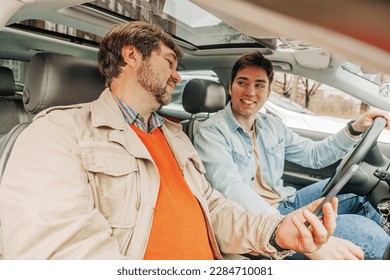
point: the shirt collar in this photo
(133, 117)
(234, 124)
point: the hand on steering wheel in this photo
(358, 153)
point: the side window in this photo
(177, 93)
(302, 103)
(310, 105)
(318, 98)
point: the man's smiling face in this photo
(249, 91)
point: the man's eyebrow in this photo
(172, 55)
(247, 79)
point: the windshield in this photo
(357, 70)
(288, 104)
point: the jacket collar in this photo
(106, 112)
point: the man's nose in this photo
(175, 77)
(250, 90)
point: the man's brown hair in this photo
(145, 37)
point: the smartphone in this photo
(335, 190)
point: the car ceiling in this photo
(64, 12)
(80, 17)
(358, 30)
(68, 13)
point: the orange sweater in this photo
(178, 229)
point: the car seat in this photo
(53, 80)
(11, 105)
(201, 96)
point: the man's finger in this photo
(329, 218)
(320, 234)
(305, 239)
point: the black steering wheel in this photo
(358, 153)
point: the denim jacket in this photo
(227, 153)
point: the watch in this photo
(351, 130)
(273, 243)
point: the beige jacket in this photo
(81, 185)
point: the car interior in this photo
(62, 68)
(58, 80)
(53, 80)
(201, 96)
(23, 42)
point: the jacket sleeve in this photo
(238, 230)
(224, 176)
(316, 154)
(47, 204)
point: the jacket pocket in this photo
(113, 175)
(240, 159)
(277, 150)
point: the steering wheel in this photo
(358, 153)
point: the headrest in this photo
(55, 79)
(7, 82)
(201, 95)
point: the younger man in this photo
(244, 152)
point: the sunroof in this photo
(181, 18)
(59, 31)
(190, 14)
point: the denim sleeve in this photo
(222, 172)
(316, 154)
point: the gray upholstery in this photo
(11, 105)
(7, 82)
(7, 143)
(9, 116)
(201, 96)
(54, 79)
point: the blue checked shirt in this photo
(131, 116)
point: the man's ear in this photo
(230, 89)
(130, 55)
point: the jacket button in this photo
(253, 178)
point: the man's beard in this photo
(150, 82)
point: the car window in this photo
(286, 103)
(180, 18)
(303, 103)
(309, 96)
(60, 31)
